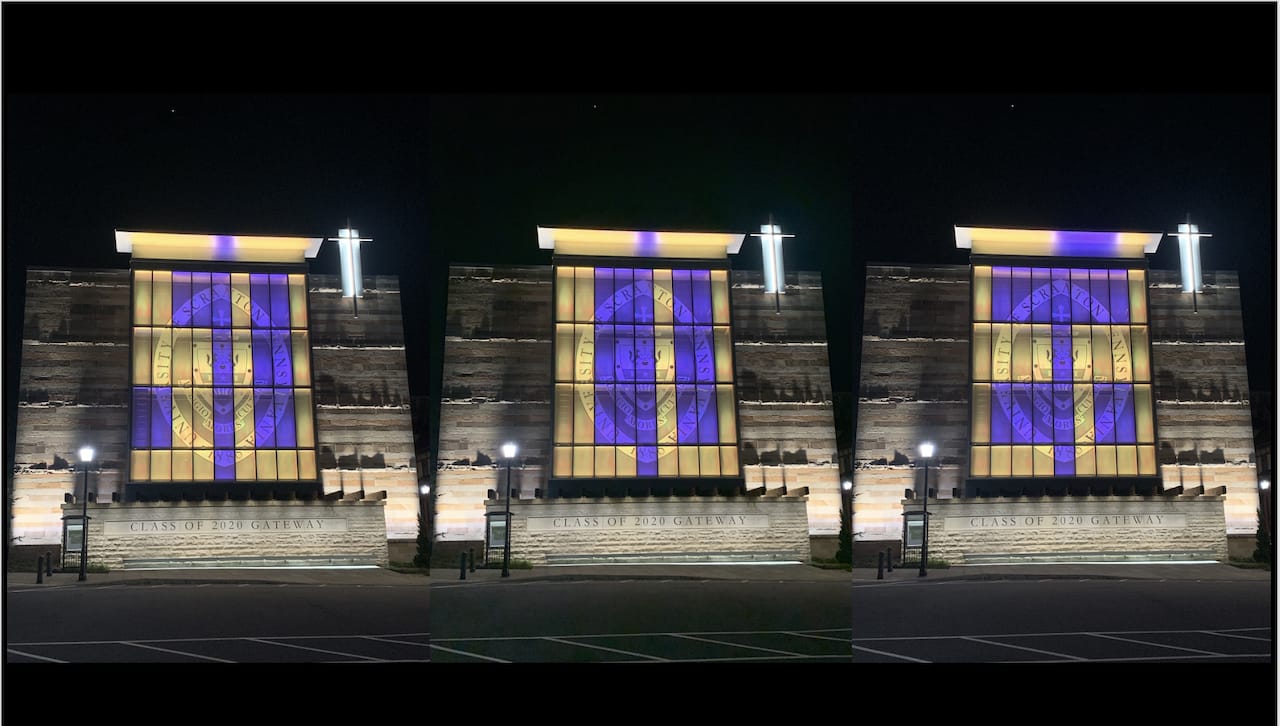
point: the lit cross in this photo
(221, 319)
(1189, 236)
(349, 240)
(771, 246)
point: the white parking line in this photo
(611, 650)
(174, 652)
(1157, 645)
(33, 655)
(817, 637)
(314, 650)
(886, 653)
(1233, 635)
(467, 654)
(738, 645)
(1022, 647)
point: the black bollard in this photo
(888, 555)
(39, 569)
(462, 566)
(880, 567)
(471, 557)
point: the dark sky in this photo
(865, 155)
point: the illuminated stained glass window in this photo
(643, 374)
(221, 378)
(1061, 373)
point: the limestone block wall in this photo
(656, 529)
(230, 532)
(971, 531)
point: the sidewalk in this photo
(782, 573)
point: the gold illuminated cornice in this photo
(632, 243)
(216, 247)
(1056, 243)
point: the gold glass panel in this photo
(1022, 353)
(584, 298)
(723, 355)
(141, 356)
(1141, 358)
(245, 466)
(583, 414)
(584, 463)
(667, 431)
(161, 356)
(304, 425)
(287, 465)
(1146, 460)
(182, 432)
(161, 465)
(1137, 296)
(142, 297)
(182, 370)
(729, 460)
(563, 461)
(1083, 414)
(564, 293)
(625, 460)
(1001, 461)
(301, 340)
(980, 460)
(720, 297)
(1122, 363)
(1101, 360)
(1086, 464)
(307, 465)
(201, 357)
(1022, 461)
(725, 414)
(584, 339)
(1127, 460)
(202, 464)
(1001, 352)
(266, 464)
(688, 460)
(241, 302)
(1042, 461)
(604, 461)
(709, 460)
(1106, 460)
(297, 301)
(662, 297)
(202, 418)
(241, 356)
(564, 414)
(982, 292)
(140, 465)
(1082, 353)
(981, 404)
(182, 470)
(1142, 413)
(1042, 353)
(162, 298)
(667, 463)
(982, 351)
(564, 352)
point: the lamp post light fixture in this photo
(847, 486)
(508, 453)
(86, 456)
(926, 453)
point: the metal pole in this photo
(506, 546)
(924, 542)
(84, 526)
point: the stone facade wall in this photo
(974, 531)
(657, 529)
(228, 533)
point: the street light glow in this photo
(1264, 485)
(86, 454)
(926, 449)
(508, 450)
(425, 489)
(847, 485)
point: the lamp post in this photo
(86, 456)
(424, 522)
(1264, 489)
(508, 453)
(926, 453)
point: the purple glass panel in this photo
(1104, 419)
(1119, 296)
(281, 358)
(263, 374)
(682, 291)
(182, 310)
(1060, 311)
(624, 353)
(644, 297)
(223, 363)
(647, 460)
(260, 300)
(684, 354)
(646, 364)
(279, 301)
(286, 436)
(1020, 291)
(141, 417)
(1001, 403)
(1043, 413)
(606, 361)
(1041, 295)
(201, 300)
(1062, 360)
(224, 415)
(686, 414)
(605, 414)
(1080, 300)
(701, 280)
(1064, 460)
(224, 464)
(1022, 415)
(646, 413)
(1064, 421)
(1001, 295)
(221, 300)
(625, 413)
(603, 311)
(708, 429)
(704, 354)
(1100, 306)
(1126, 432)
(264, 415)
(624, 303)
(161, 418)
